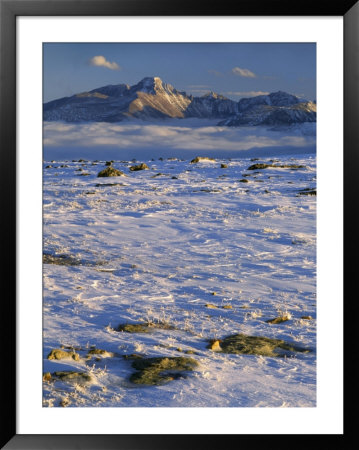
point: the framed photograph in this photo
(174, 183)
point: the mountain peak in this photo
(281, 98)
(149, 85)
(151, 80)
(214, 95)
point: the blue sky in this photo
(234, 70)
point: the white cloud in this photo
(184, 134)
(247, 93)
(243, 72)
(200, 91)
(101, 61)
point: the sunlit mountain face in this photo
(151, 99)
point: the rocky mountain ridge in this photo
(151, 99)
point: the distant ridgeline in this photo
(151, 99)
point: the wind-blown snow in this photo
(189, 245)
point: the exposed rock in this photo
(70, 375)
(144, 327)
(210, 305)
(308, 191)
(61, 260)
(98, 351)
(133, 328)
(155, 371)
(279, 319)
(258, 345)
(61, 354)
(141, 166)
(258, 166)
(110, 172)
(47, 376)
(291, 166)
(133, 356)
(279, 166)
(224, 166)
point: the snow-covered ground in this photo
(197, 253)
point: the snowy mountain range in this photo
(151, 99)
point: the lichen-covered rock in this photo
(279, 166)
(141, 166)
(70, 375)
(98, 351)
(61, 354)
(154, 371)
(110, 172)
(258, 166)
(257, 345)
(133, 328)
(60, 260)
(46, 376)
(133, 356)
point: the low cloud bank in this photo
(173, 138)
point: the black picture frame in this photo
(9, 10)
